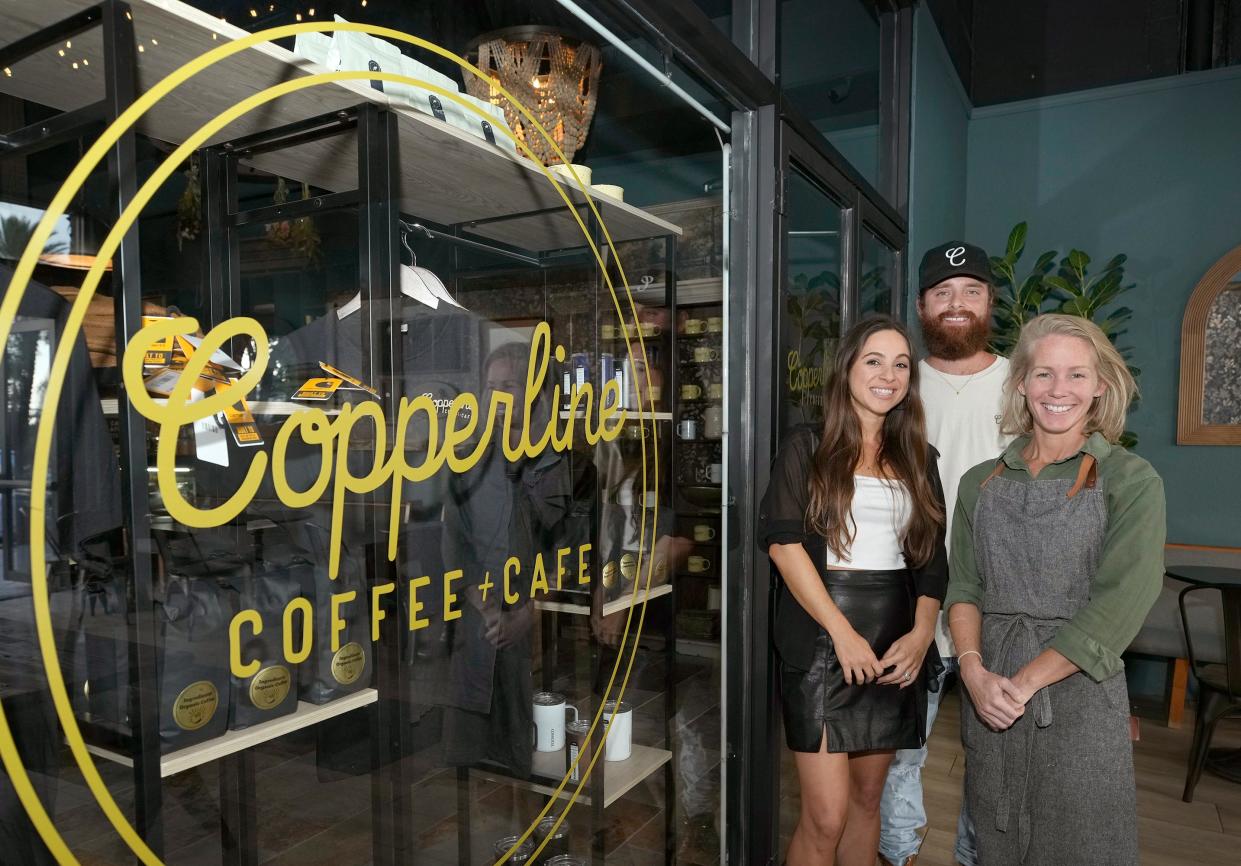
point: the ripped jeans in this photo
(902, 813)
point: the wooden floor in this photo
(1172, 833)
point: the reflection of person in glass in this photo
(1057, 557)
(854, 521)
(495, 511)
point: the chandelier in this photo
(553, 74)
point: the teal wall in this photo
(1150, 170)
(938, 148)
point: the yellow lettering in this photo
(248, 669)
(560, 570)
(339, 599)
(179, 411)
(608, 408)
(454, 435)
(540, 577)
(583, 564)
(397, 468)
(450, 597)
(415, 606)
(345, 480)
(295, 657)
(536, 373)
(378, 614)
(512, 566)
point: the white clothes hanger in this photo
(412, 285)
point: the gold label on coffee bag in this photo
(348, 663)
(195, 705)
(270, 687)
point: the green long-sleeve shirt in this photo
(1130, 573)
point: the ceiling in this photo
(1006, 51)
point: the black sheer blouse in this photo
(782, 520)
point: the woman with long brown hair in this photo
(853, 520)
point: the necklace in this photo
(948, 381)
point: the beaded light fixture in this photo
(550, 72)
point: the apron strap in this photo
(1087, 475)
(999, 467)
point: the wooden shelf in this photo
(619, 777)
(448, 175)
(234, 741)
(625, 602)
(257, 407)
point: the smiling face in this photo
(1062, 384)
(879, 378)
(956, 317)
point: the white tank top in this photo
(880, 512)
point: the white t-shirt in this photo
(963, 423)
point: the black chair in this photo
(1219, 685)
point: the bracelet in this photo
(967, 653)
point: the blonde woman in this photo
(1057, 556)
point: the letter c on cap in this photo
(955, 256)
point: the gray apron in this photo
(1057, 787)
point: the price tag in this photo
(317, 389)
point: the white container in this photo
(565, 177)
(610, 190)
(549, 721)
(619, 743)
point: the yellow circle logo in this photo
(348, 663)
(270, 687)
(195, 706)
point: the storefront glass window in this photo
(463, 510)
(830, 71)
(878, 279)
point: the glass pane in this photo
(502, 566)
(830, 68)
(810, 331)
(878, 278)
(811, 303)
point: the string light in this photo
(298, 16)
(85, 62)
(363, 2)
(254, 14)
(68, 44)
(312, 12)
(75, 64)
(8, 72)
(61, 52)
(155, 42)
(141, 49)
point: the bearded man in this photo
(961, 387)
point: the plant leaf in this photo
(1016, 241)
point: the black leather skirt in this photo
(880, 606)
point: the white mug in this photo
(619, 744)
(688, 429)
(715, 473)
(549, 721)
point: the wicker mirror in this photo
(1210, 393)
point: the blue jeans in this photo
(901, 812)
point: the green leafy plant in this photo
(1068, 287)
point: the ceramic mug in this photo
(649, 329)
(549, 721)
(691, 392)
(628, 496)
(715, 473)
(698, 564)
(688, 429)
(703, 532)
(619, 744)
(704, 354)
(694, 326)
(715, 324)
(715, 391)
(607, 332)
(638, 432)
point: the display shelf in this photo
(619, 777)
(234, 741)
(704, 335)
(615, 606)
(700, 291)
(447, 175)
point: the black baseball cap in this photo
(953, 259)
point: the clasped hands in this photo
(998, 700)
(903, 660)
